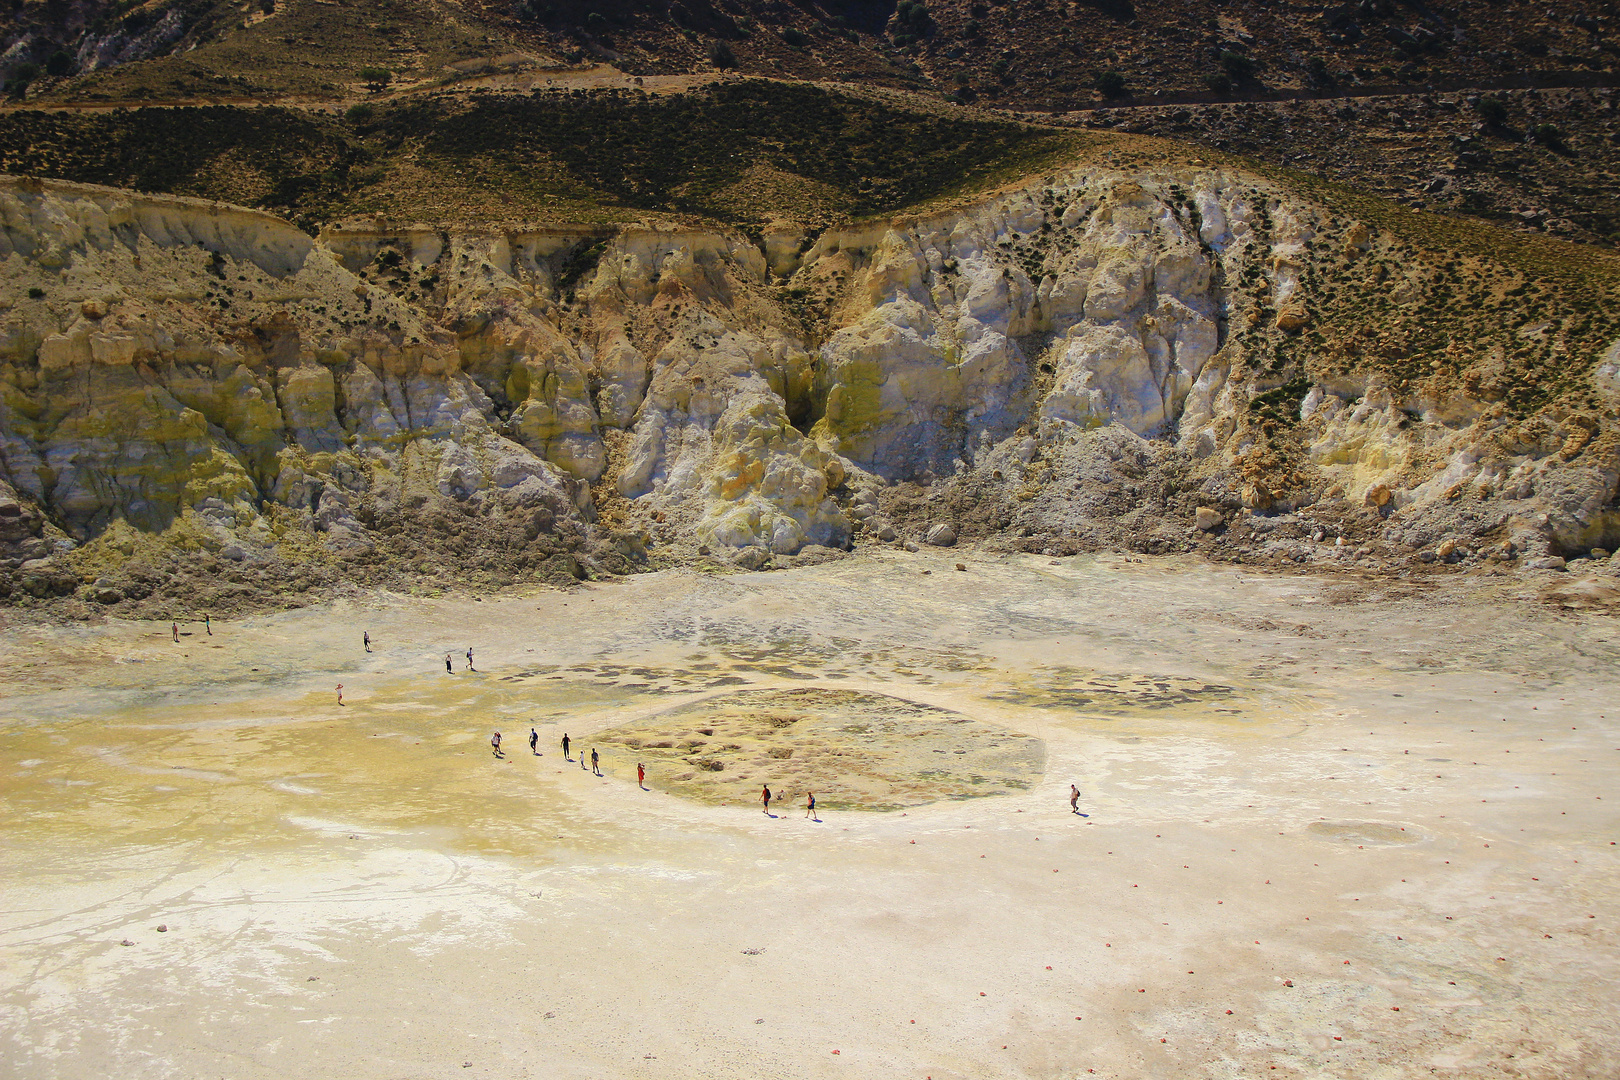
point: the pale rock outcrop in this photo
(1056, 348)
(935, 367)
(714, 432)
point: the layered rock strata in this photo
(1087, 360)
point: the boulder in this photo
(1208, 518)
(751, 558)
(1293, 318)
(1546, 562)
(1378, 495)
(941, 535)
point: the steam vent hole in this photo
(856, 750)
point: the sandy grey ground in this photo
(1331, 835)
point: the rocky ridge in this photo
(202, 406)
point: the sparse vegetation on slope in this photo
(587, 157)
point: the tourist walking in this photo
(469, 661)
(565, 747)
(595, 768)
(534, 742)
(641, 776)
(208, 626)
(810, 807)
(448, 670)
(1074, 800)
(176, 628)
(495, 741)
(340, 693)
(765, 798)
(365, 636)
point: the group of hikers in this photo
(765, 795)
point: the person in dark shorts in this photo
(1074, 800)
(765, 797)
(534, 742)
(448, 670)
(565, 747)
(495, 741)
(469, 661)
(810, 807)
(595, 768)
(208, 626)
(365, 638)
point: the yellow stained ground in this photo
(1379, 829)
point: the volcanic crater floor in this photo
(1334, 829)
(860, 750)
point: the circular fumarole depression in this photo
(855, 749)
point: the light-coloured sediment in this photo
(1346, 834)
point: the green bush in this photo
(1548, 135)
(795, 37)
(1219, 82)
(59, 64)
(1110, 84)
(913, 15)
(21, 76)
(1491, 110)
(375, 78)
(721, 56)
(1238, 66)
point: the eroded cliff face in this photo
(1085, 361)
